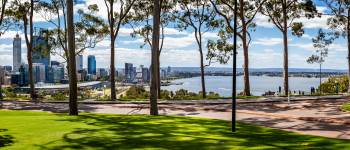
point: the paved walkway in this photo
(315, 117)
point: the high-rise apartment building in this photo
(91, 65)
(17, 52)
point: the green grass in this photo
(346, 107)
(40, 130)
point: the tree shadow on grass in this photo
(5, 140)
(163, 132)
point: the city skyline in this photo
(180, 49)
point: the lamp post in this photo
(234, 69)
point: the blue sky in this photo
(180, 49)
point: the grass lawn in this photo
(346, 107)
(41, 130)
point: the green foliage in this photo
(59, 97)
(136, 92)
(89, 28)
(321, 43)
(5, 20)
(142, 19)
(183, 94)
(9, 92)
(139, 93)
(330, 86)
(338, 20)
(294, 9)
(345, 107)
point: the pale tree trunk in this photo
(348, 38)
(155, 52)
(112, 36)
(159, 83)
(112, 68)
(73, 96)
(1, 97)
(204, 93)
(29, 43)
(246, 90)
(285, 54)
(320, 78)
(198, 36)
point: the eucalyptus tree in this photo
(154, 59)
(321, 44)
(4, 25)
(142, 26)
(23, 12)
(283, 13)
(4, 19)
(199, 16)
(89, 28)
(73, 87)
(247, 10)
(339, 22)
(116, 18)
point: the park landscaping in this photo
(42, 130)
(346, 107)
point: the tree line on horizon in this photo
(74, 32)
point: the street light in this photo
(234, 70)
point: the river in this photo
(258, 84)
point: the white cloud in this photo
(317, 22)
(268, 41)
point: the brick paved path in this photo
(314, 117)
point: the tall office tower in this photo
(39, 72)
(41, 52)
(79, 62)
(169, 70)
(55, 63)
(91, 65)
(129, 70)
(145, 75)
(17, 52)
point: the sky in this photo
(180, 49)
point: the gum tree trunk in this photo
(112, 36)
(348, 38)
(246, 91)
(73, 96)
(285, 54)
(155, 52)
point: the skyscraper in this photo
(41, 51)
(91, 65)
(79, 62)
(39, 72)
(17, 52)
(129, 72)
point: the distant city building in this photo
(163, 74)
(130, 72)
(79, 62)
(169, 70)
(2, 75)
(82, 75)
(21, 78)
(39, 72)
(102, 72)
(41, 52)
(55, 63)
(16, 79)
(91, 65)
(8, 68)
(56, 74)
(17, 53)
(146, 75)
